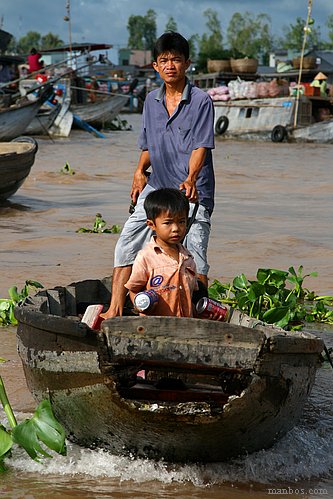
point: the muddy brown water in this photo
(273, 209)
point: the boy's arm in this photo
(139, 276)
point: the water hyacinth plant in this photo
(276, 297)
(42, 431)
(7, 305)
(100, 227)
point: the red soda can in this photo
(145, 300)
(206, 306)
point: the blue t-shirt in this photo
(171, 140)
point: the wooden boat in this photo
(43, 120)
(16, 160)
(15, 119)
(59, 119)
(101, 112)
(170, 388)
(273, 119)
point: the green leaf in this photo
(13, 294)
(279, 316)
(34, 284)
(256, 289)
(240, 282)
(41, 428)
(6, 441)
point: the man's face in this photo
(171, 67)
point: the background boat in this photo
(273, 119)
(16, 160)
(101, 112)
(15, 119)
(43, 120)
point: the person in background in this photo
(176, 141)
(164, 264)
(34, 62)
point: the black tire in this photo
(221, 125)
(25, 138)
(279, 133)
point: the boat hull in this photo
(99, 113)
(15, 119)
(16, 160)
(90, 377)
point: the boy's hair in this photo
(171, 42)
(166, 200)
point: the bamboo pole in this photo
(306, 31)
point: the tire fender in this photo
(221, 125)
(279, 133)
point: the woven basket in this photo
(245, 65)
(308, 62)
(218, 65)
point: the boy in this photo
(164, 264)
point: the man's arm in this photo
(140, 178)
(195, 164)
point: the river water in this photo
(273, 209)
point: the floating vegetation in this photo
(67, 169)
(7, 305)
(270, 299)
(41, 428)
(117, 124)
(100, 227)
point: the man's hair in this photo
(171, 42)
(166, 200)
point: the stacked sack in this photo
(240, 89)
(219, 93)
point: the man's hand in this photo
(190, 190)
(138, 184)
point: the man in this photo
(176, 140)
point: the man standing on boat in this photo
(176, 141)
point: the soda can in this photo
(145, 300)
(206, 306)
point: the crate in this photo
(311, 91)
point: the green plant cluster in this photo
(100, 227)
(42, 429)
(268, 298)
(7, 305)
(67, 169)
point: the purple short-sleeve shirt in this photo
(170, 140)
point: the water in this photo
(273, 209)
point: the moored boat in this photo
(170, 388)
(273, 119)
(16, 159)
(15, 118)
(101, 112)
(43, 120)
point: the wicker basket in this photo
(245, 65)
(308, 62)
(218, 65)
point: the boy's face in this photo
(171, 67)
(170, 229)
